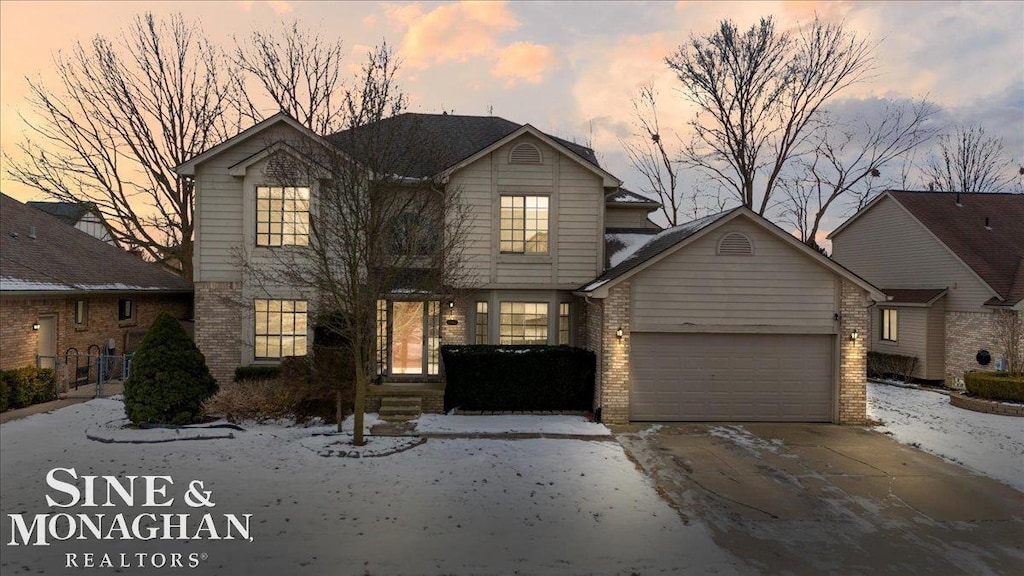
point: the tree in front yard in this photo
(169, 380)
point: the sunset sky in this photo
(569, 68)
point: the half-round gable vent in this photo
(735, 244)
(524, 154)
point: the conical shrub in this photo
(169, 378)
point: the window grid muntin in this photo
(280, 328)
(433, 337)
(890, 324)
(563, 323)
(282, 216)
(524, 224)
(482, 322)
(523, 323)
(382, 337)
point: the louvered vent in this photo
(524, 154)
(735, 244)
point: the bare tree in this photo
(968, 160)
(758, 94)
(847, 160)
(377, 227)
(1010, 335)
(125, 113)
(299, 70)
(648, 154)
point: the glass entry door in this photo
(414, 337)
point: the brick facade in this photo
(218, 316)
(966, 333)
(590, 325)
(19, 343)
(458, 333)
(614, 358)
(853, 354)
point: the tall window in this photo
(524, 224)
(125, 310)
(481, 322)
(889, 324)
(81, 312)
(280, 328)
(524, 323)
(433, 337)
(382, 336)
(563, 323)
(282, 216)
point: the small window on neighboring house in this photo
(282, 216)
(735, 244)
(81, 312)
(280, 328)
(524, 224)
(524, 154)
(889, 324)
(524, 323)
(563, 323)
(125, 309)
(481, 322)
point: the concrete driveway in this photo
(819, 498)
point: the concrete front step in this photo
(400, 408)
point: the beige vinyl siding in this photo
(580, 202)
(889, 248)
(911, 335)
(936, 349)
(777, 289)
(473, 186)
(616, 217)
(220, 207)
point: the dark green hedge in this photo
(881, 365)
(518, 377)
(26, 386)
(248, 373)
(995, 385)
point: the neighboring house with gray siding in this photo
(82, 215)
(729, 317)
(950, 263)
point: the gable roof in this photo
(69, 212)
(958, 220)
(621, 197)
(913, 296)
(453, 140)
(669, 240)
(62, 258)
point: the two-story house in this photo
(724, 318)
(951, 263)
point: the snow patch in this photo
(512, 424)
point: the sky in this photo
(569, 68)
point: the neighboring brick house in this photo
(724, 318)
(62, 290)
(952, 265)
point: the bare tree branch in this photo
(968, 160)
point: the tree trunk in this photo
(359, 411)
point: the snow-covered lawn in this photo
(465, 506)
(990, 444)
(567, 425)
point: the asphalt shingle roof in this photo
(63, 258)
(996, 252)
(622, 196)
(423, 145)
(912, 295)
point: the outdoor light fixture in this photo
(618, 332)
(854, 335)
(451, 303)
(35, 326)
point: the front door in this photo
(413, 338)
(46, 347)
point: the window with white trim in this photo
(481, 323)
(81, 312)
(563, 323)
(524, 224)
(282, 216)
(281, 327)
(523, 323)
(890, 324)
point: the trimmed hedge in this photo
(249, 373)
(995, 385)
(169, 380)
(881, 365)
(480, 377)
(26, 386)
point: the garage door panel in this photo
(741, 377)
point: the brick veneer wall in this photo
(219, 317)
(590, 321)
(19, 343)
(459, 333)
(853, 354)
(966, 333)
(614, 361)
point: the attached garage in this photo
(732, 377)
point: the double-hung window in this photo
(524, 224)
(889, 324)
(280, 328)
(282, 216)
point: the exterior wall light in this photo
(854, 335)
(618, 332)
(451, 304)
(35, 326)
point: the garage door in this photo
(740, 377)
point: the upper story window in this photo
(524, 224)
(125, 310)
(81, 312)
(280, 328)
(414, 234)
(890, 323)
(524, 154)
(282, 216)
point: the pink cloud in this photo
(523, 61)
(453, 32)
(278, 6)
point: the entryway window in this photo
(281, 327)
(563, 323)
(889, 324)
(408, 337)
(282, 216)
(524, 224)
(524, 323)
